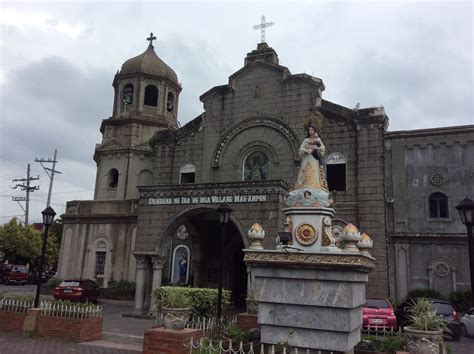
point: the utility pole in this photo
(25, 186)
(50, 172)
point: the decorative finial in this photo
(262, 27)
(151, 38)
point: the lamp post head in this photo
(466, 211)
(48, 216)
(224, 211)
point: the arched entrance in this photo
(202, 238)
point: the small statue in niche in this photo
(183, 268)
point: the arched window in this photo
(112, 180)
(100, 255)
(127, 96)
(170, 102)
(151, 96)
(438, 204)
(187, 174)
(336, 172)
(256, 166)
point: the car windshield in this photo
(442, 308)
(69, 283)
(377, 304)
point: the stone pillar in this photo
(140, 284)
(157, 266)
(310, 300)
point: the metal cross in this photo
(262, 27)
(151, 38)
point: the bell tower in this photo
(146, 94)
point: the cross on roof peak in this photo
(263, 24)
(151, 38)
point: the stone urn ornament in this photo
(255, 236)
(350, 237)
(424, 335)
(365, 244)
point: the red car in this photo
(378, 313)
(17, 274)
(77, 290)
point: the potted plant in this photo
(175, 306)
(425, 333)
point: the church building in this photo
(153, 219)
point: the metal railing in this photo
(382, 331)
(15, 305)
(231, 347)
(205, 324)
(50, 308)
(70, 311)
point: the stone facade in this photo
(428, 249)
(155, 179)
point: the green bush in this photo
(390, 344)
(461, 300)
(119, 290)
(203, 300)
(423, 292)
(237, 334)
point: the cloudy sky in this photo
(58, 61)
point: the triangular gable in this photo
(111, 144)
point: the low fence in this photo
(382, 331)
(70, 311)
(14, 305)
(221, 346)
(205, 324)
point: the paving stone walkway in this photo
(16, 344)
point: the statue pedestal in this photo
(309, 228)
(310, 300)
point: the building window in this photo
(100, 262)
(336, 172)
(127, 96)
(438, 204)
(112, 180)
(170, 102)
(256, 167)
(151, 96)
(187, 174)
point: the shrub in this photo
(173, 297)
(390, 344)
(119, 290)
(237, 334)
(423, 292)
(203, 300)
(461, 300)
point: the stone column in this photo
(140, 284)
(157, 266)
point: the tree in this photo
(21, 244)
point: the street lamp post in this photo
(466, 211)
(48, 217)
(224, 211)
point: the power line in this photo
(50, 172)
(25, 186)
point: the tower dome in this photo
(148, 63)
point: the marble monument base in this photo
(310, 300)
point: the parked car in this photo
(378, 312)
(4, 271)
(442, 308)
(18, 274)
(467, 323)
(81, 290)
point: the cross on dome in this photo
(262, 27)
(151, 38)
